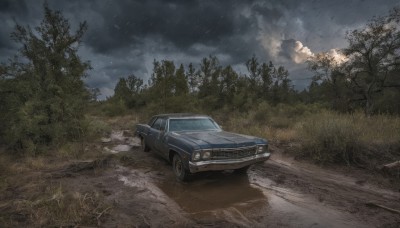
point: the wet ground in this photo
(280, 192)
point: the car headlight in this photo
(196, 156)
(206, 155)
(261, 149)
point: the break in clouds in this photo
(125, 36)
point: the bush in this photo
(98, 128)
(113, 108)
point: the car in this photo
(196, 143)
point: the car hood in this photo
(218, 139)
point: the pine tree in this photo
(47, 85)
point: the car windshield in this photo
(195, 124)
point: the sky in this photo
(124, 37)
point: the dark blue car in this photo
(195, 143)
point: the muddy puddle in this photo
(120, 141)
(213, 192)
(250, 201)
(244, 200)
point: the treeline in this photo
(212, 87)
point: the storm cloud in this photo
(125, 36)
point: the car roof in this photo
(177, 115)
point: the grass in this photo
(29, 197)
(351, 139)
(52, 205)
(321, 135)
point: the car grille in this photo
(233, 153)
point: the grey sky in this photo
(125, 36)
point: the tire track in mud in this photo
(332, 191)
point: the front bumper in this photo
(214, 165)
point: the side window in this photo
(152, 121)
(159, 124)
(163, 125)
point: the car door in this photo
(156, 135)
(162, 142)
(153, 133)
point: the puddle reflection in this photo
(211, 191)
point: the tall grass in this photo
(56, 207)
(349, 138)
(277, 124)
(322, 135)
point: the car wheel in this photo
(180, 172)
(143, 145)
(242, 170)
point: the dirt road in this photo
(281, 192)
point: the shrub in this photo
(114, 108)
(97, 128)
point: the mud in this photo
(280, 192)
(120, 141)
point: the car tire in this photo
(242, 170)
(143, 145)
(180, 172)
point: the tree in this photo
(209, 89)
(46, 85)
(374, 56)
(266, 72)
(329, 83)
(134, 84)
(181, 84)
(282, 86)
(193, 79)
(253, 68)
(365, 72)
(128, 92)
(121, 90)
(94, 93)
(228, 85)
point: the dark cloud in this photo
(178, 22)
(11, 6)
(125, 36)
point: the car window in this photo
(152, 121)
(159, 124)
(156, 124)
(194, 124)
(163, 125)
